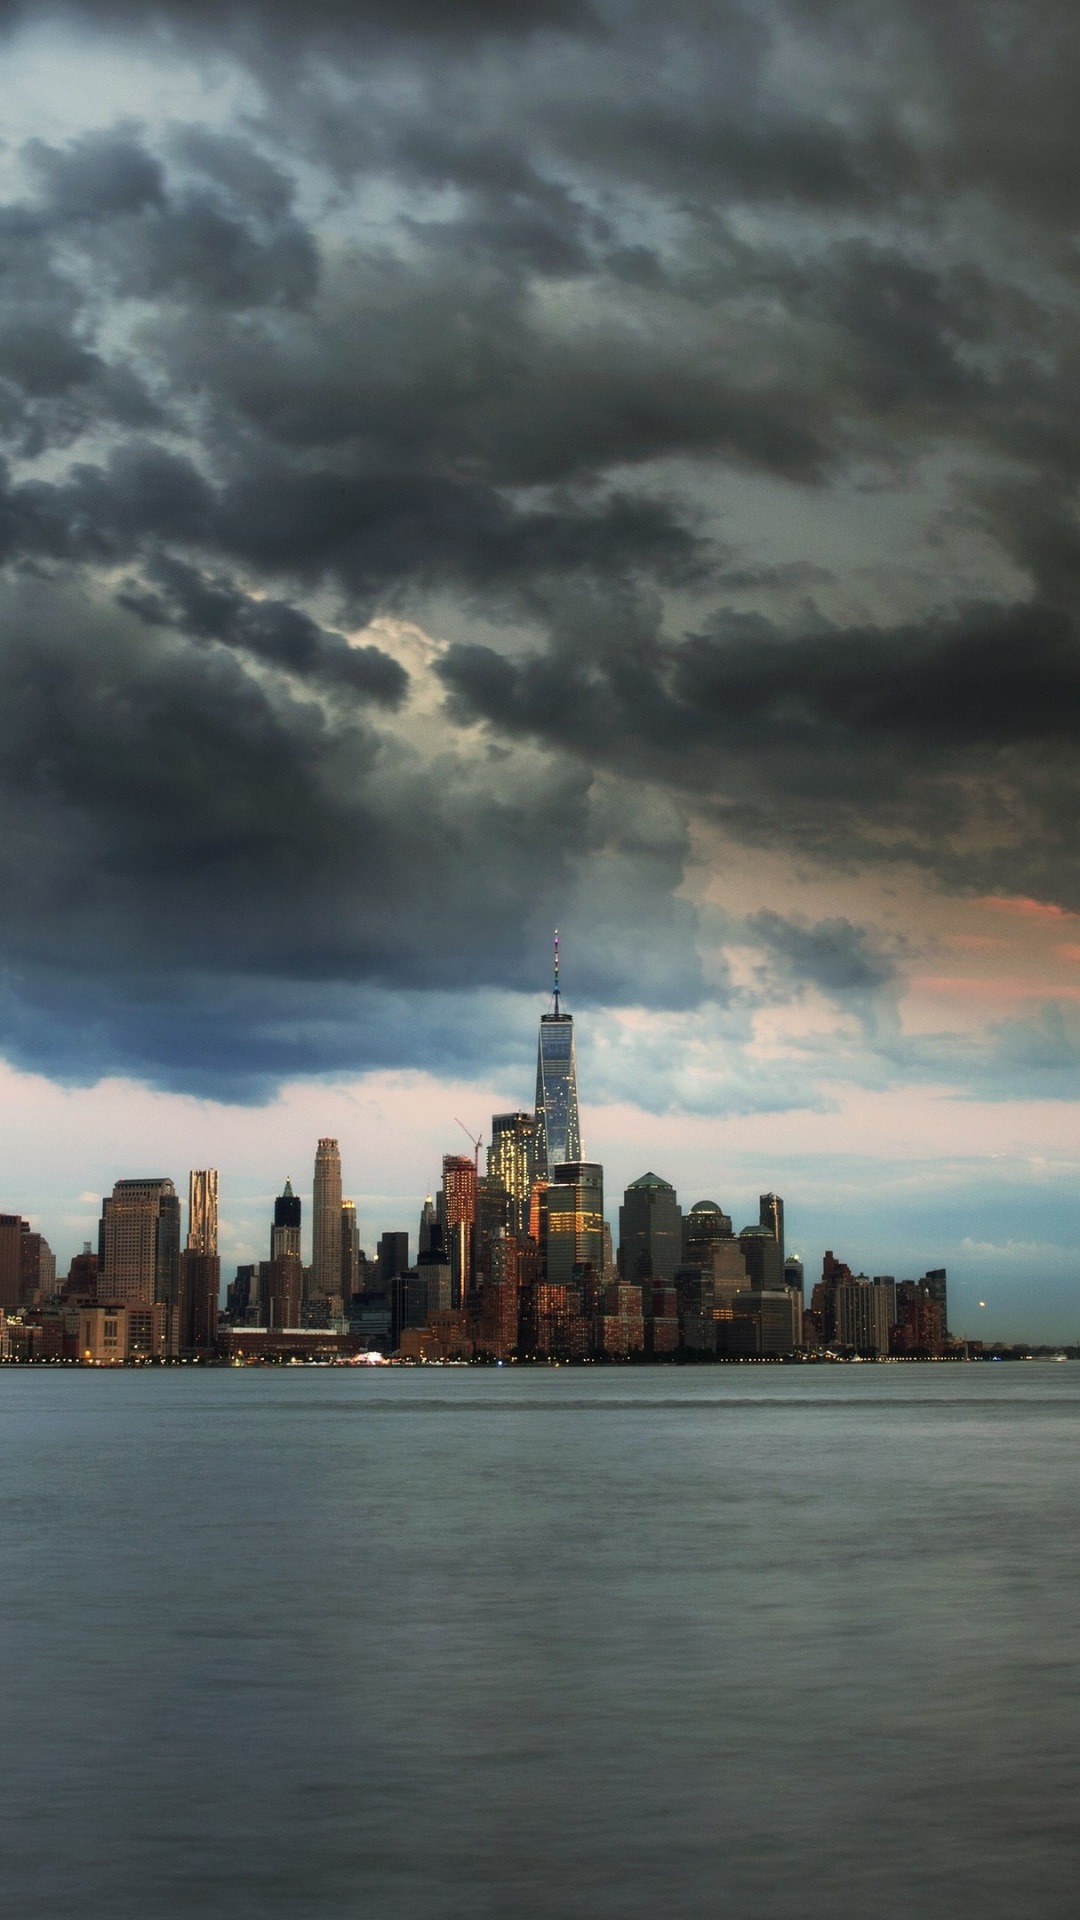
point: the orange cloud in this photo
(1029, 909)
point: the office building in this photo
(573, 1207)
(429, 1217)
(350, 1251)
(935, 1283)
(140, 1243)
(457, 1216)
(285, 1232)
(860, 1316)
(771, 1219)
(762, 1326)
(763, 1256)
(704, 1226)
(558, 1130)
(200, 1287)
(281, 1291)
(326, 1223)
(650, 1230)
(393, 1256)
(511, 1161)
(203, 1211)
(12, 1227)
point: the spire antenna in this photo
(556, 969)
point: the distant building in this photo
(935, 1283)
(573, 1207)
(771, 1217)
(860, 1316)
(203, 1211)
(457, 1216)
(326, 1223)
(393, 1257)
(558, 1129)
(650, 1230)
(125, 1330)
(918, 1333)
(762, 1325)
(285, 1232)
(200, 1287)
(704, 1226)
(350, 1251)
(763, 1255)
(281, 1291)
(140, 1241)
(511, 1160)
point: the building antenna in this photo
(556, 971)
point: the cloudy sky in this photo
(470, 468)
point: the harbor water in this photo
(763, 1642)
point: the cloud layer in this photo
(706, 385)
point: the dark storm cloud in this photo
(189, 846)
(953, 744)
(832, 954)
(496, 304)
(336, 20)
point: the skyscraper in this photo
(650, 1230)
(285, 1232)
(457, 1213)
(350, 1251)
(511, 1160)
(326, 1222)
(771, 1217)
(558, 1131)
(574, 1206)
(203, 1211)
(140, 1240)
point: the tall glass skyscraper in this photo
(558, 1131)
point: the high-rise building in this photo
(860, 1315)
(763, 1255)
(574, 1208)
(429, 1218)
(558, 1130)
(393, 1257)
(511, 1160)
(200, 1287)
(11, 1234)
(771, 1217)
(650, 1230)
(704, 1225)
(203, 1211)
(281, 1289)
(326, 1222)
(350, 1251)
(934, 1280)
(457, 1215)
(285, 1232)
(140, 1241)
(762, 1324)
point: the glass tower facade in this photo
(511, 1161)
(558, 1130)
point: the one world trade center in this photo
(558, 1133)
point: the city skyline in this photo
(440, 508)
(332, 1234)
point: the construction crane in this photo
(475, 1141)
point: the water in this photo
(751, 1642)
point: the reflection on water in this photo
(770, 1644)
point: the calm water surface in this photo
(749, 1642)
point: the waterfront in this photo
(766, 1642)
